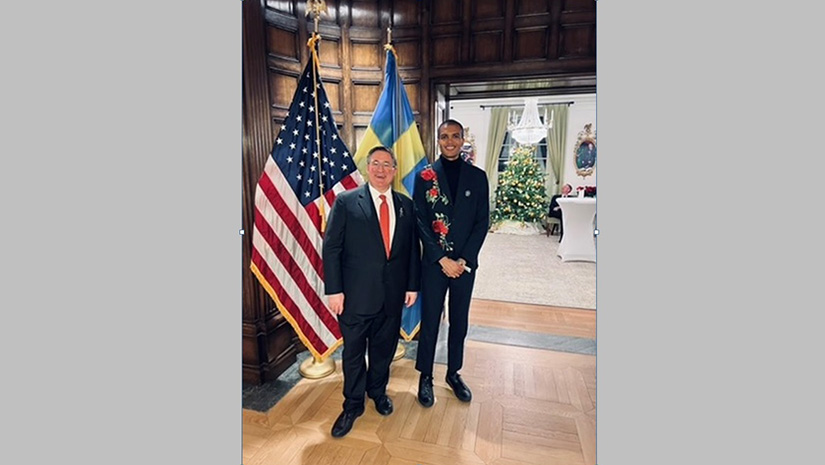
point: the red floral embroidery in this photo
(440, 228)
(428, 174)
(433, 193)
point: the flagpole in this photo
(314, 367)
(316, 7)
(400, 349)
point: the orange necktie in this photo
(384, 219)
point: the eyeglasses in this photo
(386, 165)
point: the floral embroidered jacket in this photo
(452, 227)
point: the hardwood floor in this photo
(530, 406)
(560, 321)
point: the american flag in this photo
(287, 237)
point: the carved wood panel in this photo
(532, 7)
(406, 13)
(577, 41)
(446, 51)
(365, 14)
(488, 9)
(487, 47)
(367, 56)
(365, 97)
(445, 12)
(329, 53)
(282, 89)
(531, 44)
(409, 53)
(411, 87)
(283, 43)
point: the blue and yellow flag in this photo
(393, 126)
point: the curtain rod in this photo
(517, 105)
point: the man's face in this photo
(450, 141)
(381, 170)
(566, 189)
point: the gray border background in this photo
(121, 200)
(707, 281)
(121, 196)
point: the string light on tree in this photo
(520, 192)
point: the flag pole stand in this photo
(313, 368)
(400, 350)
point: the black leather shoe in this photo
(459, 388)
(344, 422)
(383, 405)
(425, 391)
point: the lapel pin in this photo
(466, 193)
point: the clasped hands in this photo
(336, 301)
(452, 268)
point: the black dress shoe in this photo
(459, 388)
(383, 405)
(344, 422)
(425, 391)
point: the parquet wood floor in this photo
(530, 406)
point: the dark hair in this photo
(453, 122)
(382, 149)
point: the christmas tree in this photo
(520, 195)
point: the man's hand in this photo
(336, 303)
(409, 299)
(450, 267)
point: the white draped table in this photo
(578, 220)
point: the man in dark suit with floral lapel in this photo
(453, 211)
(371, 268)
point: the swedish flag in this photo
(393, 126)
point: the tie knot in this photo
(382, 197)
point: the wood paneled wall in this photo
(438, 42)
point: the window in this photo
(504, 154)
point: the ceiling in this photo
(556, 85)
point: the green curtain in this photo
(495, 137)
(556, 142)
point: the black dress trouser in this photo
(374, 334)
(434, 286)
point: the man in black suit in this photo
(453, 212)
(555, 209)
(371, 268)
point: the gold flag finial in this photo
(316, 7)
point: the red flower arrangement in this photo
(589, 191)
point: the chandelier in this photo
(530, 129)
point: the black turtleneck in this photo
(452, 169)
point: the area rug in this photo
(526, 269)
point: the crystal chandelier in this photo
(530, 129)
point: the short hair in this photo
(453, 122)
(381, 148)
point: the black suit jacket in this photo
(554, 202)
(355, 262)
(467, 215)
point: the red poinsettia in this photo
(440, 228)
(428, 174)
